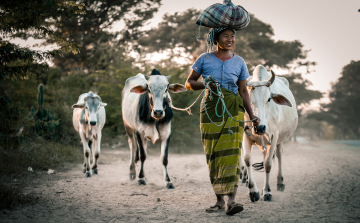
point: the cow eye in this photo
(86, 107)
(269, 99)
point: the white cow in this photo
(273, 102)
(147, 116)
(89, 119)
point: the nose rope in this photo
(220, 95)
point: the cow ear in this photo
(176, 88)
(248, 80)
(140, 89)
(81, 105)
(168, 77)
(280, 99)
(103, 104)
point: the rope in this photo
(187, 108)
(220, 95)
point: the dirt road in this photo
(322, 185)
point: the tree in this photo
(303, 96)
(91, 30)
(177, 34)
(20, 18)
(175, 31)
(300, 88)
(344, 104)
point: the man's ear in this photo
(80, 105)
(280, 99)
(140, 89)
(176, 88)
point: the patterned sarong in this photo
(222, 150)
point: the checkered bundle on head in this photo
(226, 14)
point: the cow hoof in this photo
(84, 170)
(170, 186)
(281, 187)
(268, 197)
(243, 180)
(88, 174)
(132, 176)
(247, 184)
(240, 176)
(254, 196)
(95, 171)
(141, 182)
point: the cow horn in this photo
(147, 77)
(272, 78)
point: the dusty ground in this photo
(322, 185)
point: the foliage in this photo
(344, 104)
(177, 33)
(90, 30)
(178, 30)
(17, 19)
(300, 88)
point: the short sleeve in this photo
(244, 73)
(198, 65)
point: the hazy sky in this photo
(329, 28)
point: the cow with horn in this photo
(274, 104)
(147, 117)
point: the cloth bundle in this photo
(227, 14)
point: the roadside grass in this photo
(12, 197)
(39, 155)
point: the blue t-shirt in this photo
(227, 73)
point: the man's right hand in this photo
(256, 122)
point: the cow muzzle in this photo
(92, 123)
(157, 114)
(260, 130)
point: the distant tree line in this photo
(341, 112)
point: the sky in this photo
(329, 28)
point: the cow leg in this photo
(280, 176)
(141, 142)
(164, 159)
(131, 141)
(96, 153)
(243, 169)
(267, 167)
(253, 191)
(86, 154)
